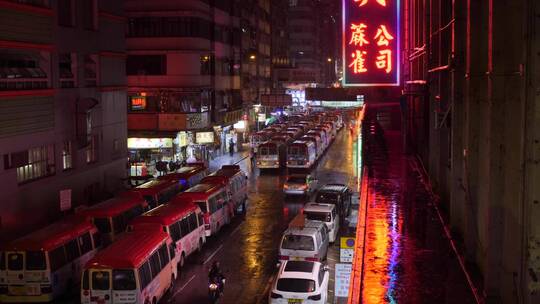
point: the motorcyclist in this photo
(215, 275)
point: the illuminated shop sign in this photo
(204, 137)
(371, 42)
(138, 102)
(149, 143)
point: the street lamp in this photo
(329, 59)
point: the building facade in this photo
(193, 71)
(62, 107)
(472, 81)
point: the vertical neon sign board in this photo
(371, 43)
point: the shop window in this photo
(67, 67)
(90, 70)
(67, 155)
(89, 9)
(146, 65)
(32, 164)
(66, 13)
(92, 150)
(21, 71)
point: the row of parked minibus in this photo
(297, 144)
(128, 249)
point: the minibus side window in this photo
(100, 280)
(171, 251)
(85, 242)
(103, 224)
(163, 256)
(57, 258)
(85, 285)
(2, 261)
(184, 226)
(201, 219)
(155, 266)
(213, 205)
(72, 250)
(119, 223)
(124, 279)
(97, 240)
(145, 276)
(174, 228)
(192, 221)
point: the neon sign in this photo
(371, 42)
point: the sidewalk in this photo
(226, 159)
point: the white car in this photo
(300, 282)
(324, 213)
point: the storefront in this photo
(145, 153)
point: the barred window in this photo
(92, 150)
(31, 164)
(67, 156)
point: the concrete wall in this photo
(481, 151)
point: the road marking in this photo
(182, 288)
(213, 254)
(237, 229)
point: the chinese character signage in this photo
(371, 39)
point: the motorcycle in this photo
(215, 289)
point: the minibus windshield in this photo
(124, 279)
(100, 280)
(318, 216)
(35, 260)
(15, 261)
(202, 205)
(298, 242)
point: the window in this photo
(89, 8)
(85, 242)
(163, 256)
(192, 222)
(119, 223)
(92, 150)
(124, 279)
(35, 260)
(202, 205)
(145, 276)
(201, 219)
(102, 224)
(66, 13)
(100, 280)
(155, 265)
(174, 230)
(57, 258)
(97, 240)
(85, 285)
(15, 261)
(90, 70)
(67, 154)
(32, 164)
(72, 250)
(66, 64)
(184, 225)
(146, 65)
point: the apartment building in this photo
(62, 107)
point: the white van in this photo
(324, 213)
(304, 241)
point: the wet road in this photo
(407, 258)
(247, 249)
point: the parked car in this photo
(304, 240)
(300, 184)
(337, 194)
(300, 282)
(324, 213)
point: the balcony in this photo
(150, 121)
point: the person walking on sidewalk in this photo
(231, 147)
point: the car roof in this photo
(306, 231)
(333, 188)
(299, 270)
(316, 207)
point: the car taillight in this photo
(274, 295)
(285, 186)
(315, 297)
(315, 259)
(46, 289)
(284, 257)
(86, 293)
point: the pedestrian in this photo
(231, 147)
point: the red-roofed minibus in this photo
(47, 263)
(159, 191)
(137, 268)
(183, 222)
(236, 183)
(213, 200)
(112, 216)
(188, 176)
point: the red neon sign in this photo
(371, 45)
